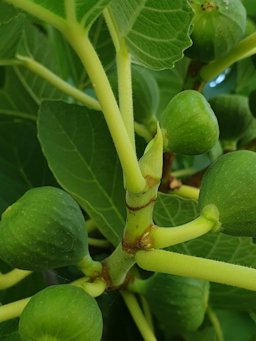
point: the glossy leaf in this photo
(246, 76)
(171, 210)
(35, 44)
(22, 90)
(82, 157)
(22, 165)
(10, 32)
(156, 32)
(7, 12)
(236, 326)
(16, 100)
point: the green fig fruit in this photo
(217, 27)
(178, 303)
(189, 125)
(233, 115)
(230, 186)
(44, 229)
(61, 313)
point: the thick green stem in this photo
(197, 267)
(188, 192)
(11, 62)
(184, 172)
(244, 49)
(101, 243)
(13, 277)
(140, 205)
(162, 237)
(114, 33)
(70, 11)
(123, 64)
(138, 316)
(12, 310)
(79, 40)
(117, 265)
(139, 220)
(139, 216)
(59, 83)
(147, 312)
(90, 225)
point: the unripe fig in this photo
(44, 229)
(189, 124)
(178, 303)
(61, 313)
(233, 115)
(217, 26)
(230, 186)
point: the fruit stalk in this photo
(12, 310)
(12, 277)
(244, 49)
(162, 237)
(215, 323)
(138, 316)
(186, 191)
(43, 72)
(197, 267)
(94, 289)
(123, 64)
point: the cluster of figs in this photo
(45, 228)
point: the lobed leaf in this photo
(156, 32)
